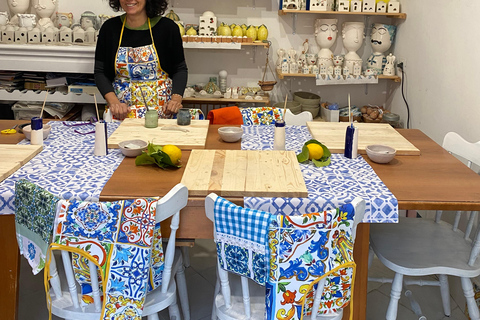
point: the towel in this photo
(261, 115)
(35, 210)
(227, 115)
(242, 240)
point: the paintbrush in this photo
(43, 106)
(144, 100)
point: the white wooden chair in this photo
(297, 119)
(66, 298)
(234, 298)
(421, 247)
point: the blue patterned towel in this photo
(242, 240)
(35, 210)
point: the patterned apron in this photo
(139, 78)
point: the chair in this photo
(421, 247)
(234, 298)
(297, 119)
(66, 300)
(260, 115)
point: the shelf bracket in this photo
(254, 53)
(173, 3)
(294, 27)
(253, 4)
(366, 89)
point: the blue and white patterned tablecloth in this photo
(328, 187)
(66, 166)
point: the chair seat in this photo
(420, 247)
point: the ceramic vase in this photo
(325, 35)
(352, 35)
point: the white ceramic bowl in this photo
(27, 130)
(380, 154)
(132, 148)
(230, 134)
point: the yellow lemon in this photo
(315, 151)
(182, 29)
(173, 152)
(191, 32)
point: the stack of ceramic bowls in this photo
(310, 102)
(294, 106)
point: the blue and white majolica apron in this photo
(138, 70)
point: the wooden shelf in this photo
(192, 100)
(30, 95)
(381, 14)
(223, 45)
(283, 75)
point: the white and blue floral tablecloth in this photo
(66, 167)
(328, 187)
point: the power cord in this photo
(400, 66)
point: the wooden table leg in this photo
(9, 268)
(360, 254)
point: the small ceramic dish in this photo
(380, 154)
(27, 131)
(230, 134)
(132, 148)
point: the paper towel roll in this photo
(101, 138)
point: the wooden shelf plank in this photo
(301, 75)
(192, 100)
(388, 15)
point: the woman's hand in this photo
(118, 109)
(173, 105)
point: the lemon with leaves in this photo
(315, 151)
(173, 152)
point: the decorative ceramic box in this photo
(291, 4)
(207, 24)
(381, 6)
(34, 35)
(21, 35)
(368, 6)
(343, 6)
(48, 35)
(78, 35)
(356, 6)
(66, 35)
(3, 18)
(393, 7)
(322, 5)
(90, 35)
(8, 35)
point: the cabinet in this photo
(294, 13)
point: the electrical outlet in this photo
(402, 60)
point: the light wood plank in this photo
(14, 156)
(332, 134)
(235, 173)
(131, 129)
(198, 171)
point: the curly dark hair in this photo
(154, 8)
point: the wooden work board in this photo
(244, 173)
(332, 134)
(192, 136)
(14, 156)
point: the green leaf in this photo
(322, 162)
(144, 159)
(303, 156)
(155, 155)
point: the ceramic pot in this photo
(183, 117)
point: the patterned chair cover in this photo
(261, 115)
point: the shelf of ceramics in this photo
(283, 75)
(381, 14)
(29, 95)
(222, 45)
(326, 80)
(193, 100)
(47, 58)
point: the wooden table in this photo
(434, 180)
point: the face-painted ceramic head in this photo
(338, 60)
(382, 36)
(326, 32)
(353, 35)
(18, 6)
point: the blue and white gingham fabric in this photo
(242, 240)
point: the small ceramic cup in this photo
(151, 119)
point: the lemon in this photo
(191, 32)
(182, 29)
(315, 151)
(173, 152)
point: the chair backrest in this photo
(296, 236)
(297, 119)
(469, 151)
(261, 115)
(166, 207)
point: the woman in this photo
(139, 59)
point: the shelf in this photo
(223, 45)
(381, 14)
(192, 100)
(283, 75)
(30, 95)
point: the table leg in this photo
(9, 268)
(360, 254)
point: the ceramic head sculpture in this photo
(44, 10)
(88, 19)
(325, 34)
(382, 37)
(63, 19)
(352, 35)
(16, 7)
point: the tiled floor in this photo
(201, 282)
